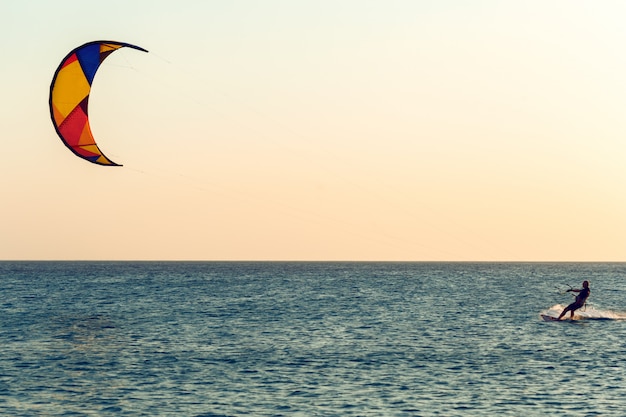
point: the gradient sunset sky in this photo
(321, 130)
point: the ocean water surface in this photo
(309, 339)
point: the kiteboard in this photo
(545, 317)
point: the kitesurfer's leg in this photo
(565, 310)
(571, 308)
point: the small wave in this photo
(586, 313)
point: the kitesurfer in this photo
(581, 298)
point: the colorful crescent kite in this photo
(69, 97)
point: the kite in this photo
(69, 97)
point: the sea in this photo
(310, 339)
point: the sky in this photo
(356, 130)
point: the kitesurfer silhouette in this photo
(581, 298)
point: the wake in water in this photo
(585, 313)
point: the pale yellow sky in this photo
(327, 130)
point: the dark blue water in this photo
(308, 339)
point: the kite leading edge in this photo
(69, 97)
